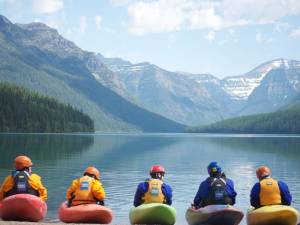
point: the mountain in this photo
(203, 98)
(167, 93)
(283, 121)
(37, 57)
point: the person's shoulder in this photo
(228, 180)
(35, 176)
(282, 183)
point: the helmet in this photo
(22, 162)
(157, 169)
(262, 172)
(213, 168)
(93, 171)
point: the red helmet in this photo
(157, 169)
(262, 172)
(22, 162)
(93, 171)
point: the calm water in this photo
(124, 161)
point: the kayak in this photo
(273, 215)
(214, 215)
(153, 213)
(23, 207)
(87, 213)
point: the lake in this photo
(124, 160)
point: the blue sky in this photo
(221, 37)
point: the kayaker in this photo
(23, 181)
(153, 190)
(269, 191)
(86, 189)
(216, 189)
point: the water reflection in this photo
(124, 161)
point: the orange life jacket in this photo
(84, 194)
(269, 192)
(154, 193)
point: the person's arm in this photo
(254, 196)
(7, 184)
(140, 192)
(230, 190)
(202, 191)
(286, 197)
(167, 191)
(98, 190)
(72, 189)
(36, 183)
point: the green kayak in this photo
(153, 213)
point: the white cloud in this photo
(47, 6)
(295, 33)
(210, 36)
(173, 15)
(98, 21)
(120, 2)
(156, 16)
(280, 27)
(82, 24)
(261, 38)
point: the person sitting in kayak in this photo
(23, 181)
(269, 191)
(86, 189)
(153, 190)
(216, 189)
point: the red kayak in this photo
(23, 207)
(87, 213)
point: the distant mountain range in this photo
(203, 98)
(37, 57)
(123, 96)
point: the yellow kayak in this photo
(273, 215)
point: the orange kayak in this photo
(87, 213)
(23, 207)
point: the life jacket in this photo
(21, 184)
(154, 193)
(217, 194)
(84, 194)
(269, 192)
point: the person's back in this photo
(269, 191)
(23, 181)
(86, 189)
(216, 189)
(153, 190)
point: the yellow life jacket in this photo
(269, 192)
(84, 194)
(154, 193)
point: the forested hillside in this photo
(285, 121)
(24, 111)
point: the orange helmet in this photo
(93, 171)
(22, 162)
(262, 172)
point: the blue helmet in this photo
(213, 168)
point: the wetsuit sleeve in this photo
(167, 191)
(140, 192)
(230, 190)
(35, 182)
(286, 197)
(202, 191)
(98, 190)
(7, 184)
(254, 196)
(72, 189)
